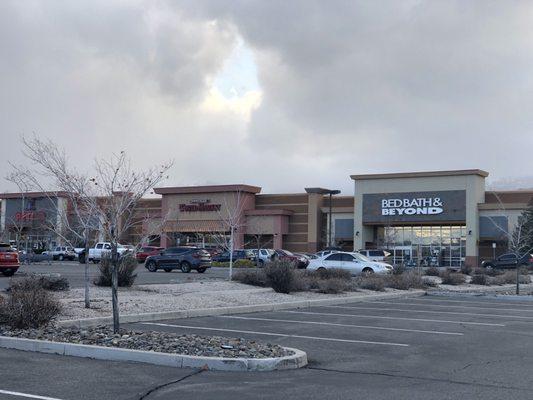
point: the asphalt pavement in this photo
(418, 348)
(75, 273)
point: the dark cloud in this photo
(347, 86)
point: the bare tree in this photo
(106, 198)
(518, 239)
(231, 220)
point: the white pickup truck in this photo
(99, 249)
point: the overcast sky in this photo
(280, 94)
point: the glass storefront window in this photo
(442, 245)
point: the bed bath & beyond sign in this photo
(417, 206)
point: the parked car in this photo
(375, 255)
(509, 260)
(98, 251)
(61, 253)
(147, 251)
(298, 260)
(184, 258)
(265, 255)
(237, 255)
(355, 263)
(9, 259)
(325, 253)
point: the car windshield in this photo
(361, 257)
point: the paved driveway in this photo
(74, 272)
(418, 348)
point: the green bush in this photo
(450, 277)
(280, 276)
(254, 277)
(126, 271)
(236, 264)
(28, 305)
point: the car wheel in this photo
(95, 261)
(368, 271)
(168, 269)
(185, 267)
(151, 266)
(60, 258)
(8, 272)
(201, 270)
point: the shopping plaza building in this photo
(447, 215)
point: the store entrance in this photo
(437, 246)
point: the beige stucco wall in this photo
(474, 185)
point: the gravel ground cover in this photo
(192, 345)
(182, 296)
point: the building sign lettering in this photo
(199, 206)
(416, 206)
(428, 207)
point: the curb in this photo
(209, 312)
(297, 360)
(479, 291)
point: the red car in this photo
(9, 260)
(298, 260)
(147, 251)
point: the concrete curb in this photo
(478, 290)
(207, 312)
(297, 360)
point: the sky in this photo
(279, 94)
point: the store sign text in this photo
(417, 206)
(30, 216)
(199, 206)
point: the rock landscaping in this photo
(163, 342)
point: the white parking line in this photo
(445, 306)
(429, 312)
(500, 303)
(276, 334)
(28, 396)
(395, 318)
(344, 325)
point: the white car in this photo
(325, 253)
(355, 263)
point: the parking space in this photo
(416, 348)
(473, 342)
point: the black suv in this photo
(509, 261)
(184, 258)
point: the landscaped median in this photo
(159, 348)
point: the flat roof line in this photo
(421, 174)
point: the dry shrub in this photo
(510, 277)
(28, 305)
(466, 269)
(452, 278)
(333, 273)
(406, 281)
(371, 282)
(399, 269)
(280, 276)
(479, 279)
(254, 277)
(126, 271)
(332, 286)
(432, 271)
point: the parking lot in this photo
(75, 273)
(415, 348)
